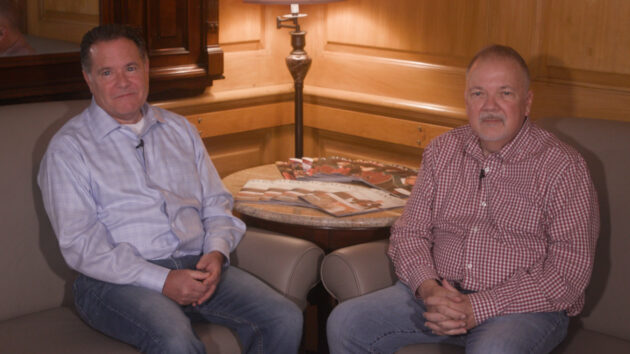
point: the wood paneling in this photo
(233, 121)
(254, 48)
(244, 31)
(436, 84)
(381, 69)
(371, 126)
(588, 41)
(245, 134)
(513, 23)
(183, 54)
(63, 20)
(449, 29)
(416, 51)
(234, 152)
(329, 143)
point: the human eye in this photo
(132, 68)
(507, 92)
(476, 93)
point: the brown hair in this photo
(109, 32)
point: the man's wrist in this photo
(426, 287)
(219, 255)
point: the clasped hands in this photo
(194, 287)
(449, 312)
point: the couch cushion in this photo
(35, 275)
(60, 330)
(605, 145)
(55, 331)
(579, 341)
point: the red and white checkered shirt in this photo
(521, 234)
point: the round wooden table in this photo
(326, 231)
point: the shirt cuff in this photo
(153, 277)
(419, 276)
(484, 306)
(218, 244)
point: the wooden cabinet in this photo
(182, 39)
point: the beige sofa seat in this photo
(36, 312)
(604, 325)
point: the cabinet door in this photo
(182, 38)
(182, 41)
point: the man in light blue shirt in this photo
(141, 213)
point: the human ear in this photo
(530, 99)
(88, 80)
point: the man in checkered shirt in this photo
(495, 247)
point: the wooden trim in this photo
(387, 106)
(360, 102)
(385, 119)
(233, 99)
(372, 126)
(244, 119)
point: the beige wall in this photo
(387, 76)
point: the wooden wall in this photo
(61, 19)
(388, 76)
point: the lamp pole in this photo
(298, 63)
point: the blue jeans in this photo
(263, 319)
(389, 319)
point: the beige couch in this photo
(604, 325)
(36, 313)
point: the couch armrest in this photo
(288, 264)
(356, 270)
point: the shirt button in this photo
(487, 169)
(483, 204)
(469, 266)
(475, 229)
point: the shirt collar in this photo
(102, 123)
(519, 145)
(510, 151)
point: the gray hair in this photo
(504, 52)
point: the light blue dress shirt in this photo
(114, 204)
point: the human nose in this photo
(490, 103)
(122, 80)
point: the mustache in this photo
(485, 116)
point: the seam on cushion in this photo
(352, 272)
(292, 275)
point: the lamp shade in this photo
(288, 2)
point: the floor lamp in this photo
(298, 60)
